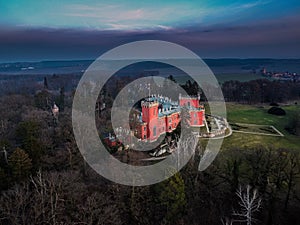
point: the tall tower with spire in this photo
(55, 110)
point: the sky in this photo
(33, 30)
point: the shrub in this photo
(276, 111)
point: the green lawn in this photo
(237, 113)
(253, 128)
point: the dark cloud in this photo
(274, 38)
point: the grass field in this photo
(255, 129)
(237, 113)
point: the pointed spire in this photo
(55, 109)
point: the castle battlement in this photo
(148, 104)
(189, 96)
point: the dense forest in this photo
(254, 91)
(44, 179)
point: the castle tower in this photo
(149, 111)
(189, 101)
(197, 111)
(150, 119)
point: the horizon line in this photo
(208, 58)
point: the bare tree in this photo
(292, 173)
(250, 202)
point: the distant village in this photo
(284, 76)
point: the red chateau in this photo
(160, 115)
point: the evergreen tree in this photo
(62, 99)
(42, 100)
(28, 133)
(172, 198)
(20, 164)
(45, 83)
(171, 78)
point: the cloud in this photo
(130, 15)
(253, 4)
(165, 27)
(105, 12)
(122, 17)
(273, 38)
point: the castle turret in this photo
(150, 119)
(149, 110)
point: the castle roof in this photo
(166, 105)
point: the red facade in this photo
(159, 115)
(111, 141)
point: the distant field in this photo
(243, 77)
(240, 77)
(247, 114)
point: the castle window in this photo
(154, 131)
(189, 104)
(144, 128)
(144, 136)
